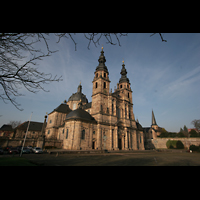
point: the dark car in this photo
(13, 150)
(7, 148)
(25, 150)
(1, 151)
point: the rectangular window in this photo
(66, 133)
(83, 135)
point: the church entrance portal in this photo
(120, 144)
(93, 145)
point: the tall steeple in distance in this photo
(153, 119)
(154, 126)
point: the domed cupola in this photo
(80, 114)
(78, 95)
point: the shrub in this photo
(194, 147)
(179, 145)
(172, 144)
(168, 144)
(193, 133)
(180, 134)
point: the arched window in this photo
(128, 94)
(96, 84)
(74, 106)
(104, 74)
(48, 131)
(83, 134)
(120, 86)
(67, 134)
(96, 75)
(104, 85)
(63, 131)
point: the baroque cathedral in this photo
(108, 122)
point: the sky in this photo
(164, 76)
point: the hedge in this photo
(172, 144)
(195, 148)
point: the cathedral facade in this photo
(108, 122)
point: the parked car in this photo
(1, 151)
(7, 148)
(26, 150)
(19, 148)
(37, 150)
(13, 150)
(30, 148)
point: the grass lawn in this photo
(118, 159)
(15, 161)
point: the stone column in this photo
(115, 138)
(114, 108)
(127, 110)
(126, 138)
(123, 142)
(129, 140)
(111, 139)
(142, 141)
(90, 136)
(134, 140)
(99, 137)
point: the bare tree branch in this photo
(160, 37)
(13, 74)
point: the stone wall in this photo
(160, 143)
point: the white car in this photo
(37, 150)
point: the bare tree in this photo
(196, 123)
(18, 56)
(14, 124)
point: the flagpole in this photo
(26, 134)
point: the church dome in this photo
(78, 96)
(80, 114)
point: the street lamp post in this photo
(26, 134)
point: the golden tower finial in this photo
(102, 47)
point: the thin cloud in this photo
(181, 84)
